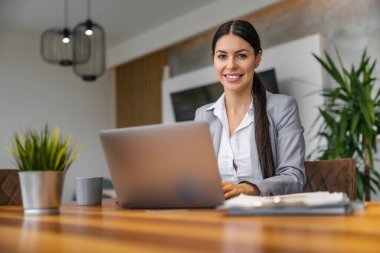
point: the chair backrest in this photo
(337, 175)
(9, 188)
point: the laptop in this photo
(163, 166)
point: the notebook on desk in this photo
(311, 203)
(163, 166)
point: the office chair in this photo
(336, 175)
(9, 188)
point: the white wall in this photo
(183, 27)
(33, 92)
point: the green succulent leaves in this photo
(43, 150)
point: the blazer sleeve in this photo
(197, 115)
(290, 153)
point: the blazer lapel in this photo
(215, 129)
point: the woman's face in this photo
(234, 62)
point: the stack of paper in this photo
(301, 203)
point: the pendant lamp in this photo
(89, 39)
(57, 45)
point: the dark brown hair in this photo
(247, 32)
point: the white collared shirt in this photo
(234, 157)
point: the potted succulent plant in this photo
(43, 158)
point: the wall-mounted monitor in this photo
(187, 101)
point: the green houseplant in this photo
(351, 119)
(43, 158)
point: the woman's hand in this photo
(231, 190)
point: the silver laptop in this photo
(163, 166)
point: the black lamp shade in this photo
(53, 48)
(89, 45)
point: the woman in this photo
(257, 135)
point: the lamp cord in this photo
(88, 8)
(66, 5)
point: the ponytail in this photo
(263, 142)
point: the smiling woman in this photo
(257, 135)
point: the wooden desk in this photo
(108, 228)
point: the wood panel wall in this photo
(138, 90)
(349, 25)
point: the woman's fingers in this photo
(230, 189)
(228, 186)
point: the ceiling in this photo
(121, 19)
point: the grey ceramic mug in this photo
(89, 190)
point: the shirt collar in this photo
(219, 106)
(250, 109)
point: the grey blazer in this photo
(288, 145)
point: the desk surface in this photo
(108, 228)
